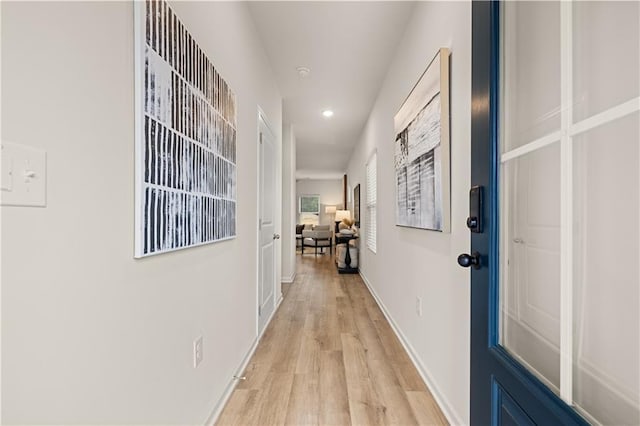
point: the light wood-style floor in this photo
(329, 357)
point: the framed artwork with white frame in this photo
(422, 151)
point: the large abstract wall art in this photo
(185, 138)
(422, 151)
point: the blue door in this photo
(550, 124)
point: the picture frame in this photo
(356, 205)
(185, 138)
(422, 150)
(309, 203)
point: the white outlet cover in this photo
(24, 176)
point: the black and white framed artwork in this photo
(422, 151)
(185, 138)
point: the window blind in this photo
(372, 197)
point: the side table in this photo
(344, 239)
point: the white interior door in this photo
(267, 236)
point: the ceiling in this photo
(348, 46)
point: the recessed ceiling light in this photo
(303, 72)
(327, 113)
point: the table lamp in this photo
(330, 210)
(341, 214)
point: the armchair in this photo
(299, 229)
(319, 237)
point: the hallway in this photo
(330, 357)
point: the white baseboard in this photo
(452, 416)
(217, 410)
(290, 279)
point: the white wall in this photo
(289, 203)
(90, 335)
(330, 191)
(414, 263)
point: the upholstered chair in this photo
(320, 237)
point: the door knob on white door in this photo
(276, 236)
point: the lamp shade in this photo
(329, 209)
(342, 214)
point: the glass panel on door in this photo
(570, 201)
(606, 306)
(531, 300)
(531, 71)
(606, 213)
(606, 38)
(530, 187)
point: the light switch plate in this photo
(24, 176)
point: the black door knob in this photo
(465, 260)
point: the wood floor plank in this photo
(235, 410)
(286, 360)
(260, 364)
(391, 395)
(329, 357)
(366, 330)
(308, 361)
(425, 409)
(272, 409)
(408, 376)
(334, 400)
(365, 407)
(346, 322)
(304, 402)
